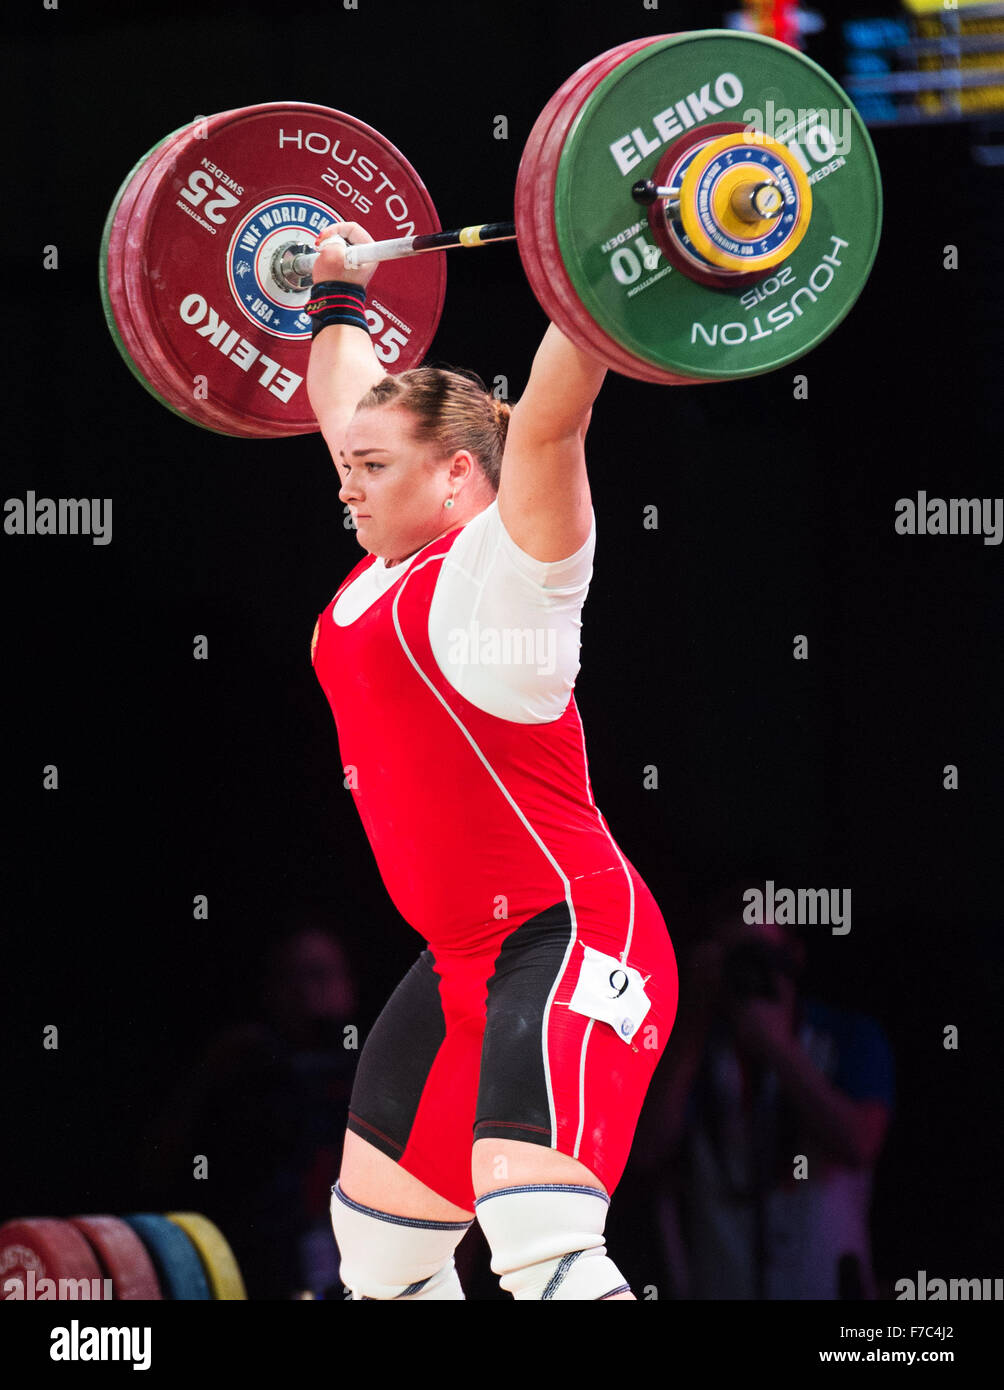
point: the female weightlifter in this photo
(504, 1078)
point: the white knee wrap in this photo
(547, 1241)
(384, 1256)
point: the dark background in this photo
(776, 517)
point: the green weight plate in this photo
(534, 213)
(659, 314)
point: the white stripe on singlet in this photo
(624, 952)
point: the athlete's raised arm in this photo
(343, 365)
(543, 498)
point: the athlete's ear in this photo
(462, 465)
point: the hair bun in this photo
(501, 412)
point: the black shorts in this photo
(485, 1046)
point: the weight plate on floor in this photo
(218, 1260)
(179, 1269)
(41, 1248)
(122, 1255)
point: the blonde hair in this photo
(451, 410)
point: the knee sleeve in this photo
(384, 1256)
(546, 1241)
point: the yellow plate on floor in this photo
(219, 1261)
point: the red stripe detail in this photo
(373, 1130)
(509, 1124)
(346, 305)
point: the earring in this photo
(448, 502)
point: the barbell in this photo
(690, 208)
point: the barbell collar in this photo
(646, 192)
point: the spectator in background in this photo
(267, 1105)
(755, 1074)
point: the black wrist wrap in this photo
(336, 301)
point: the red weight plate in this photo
(140, 335)
(112, 289)
(221, 415)
(137, 338)
(122, 1255)
(690, 264)
(535, 220)
(41, 1248)
(134, 341)
(205, 231)
(178, 391)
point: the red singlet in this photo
(479, 823)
